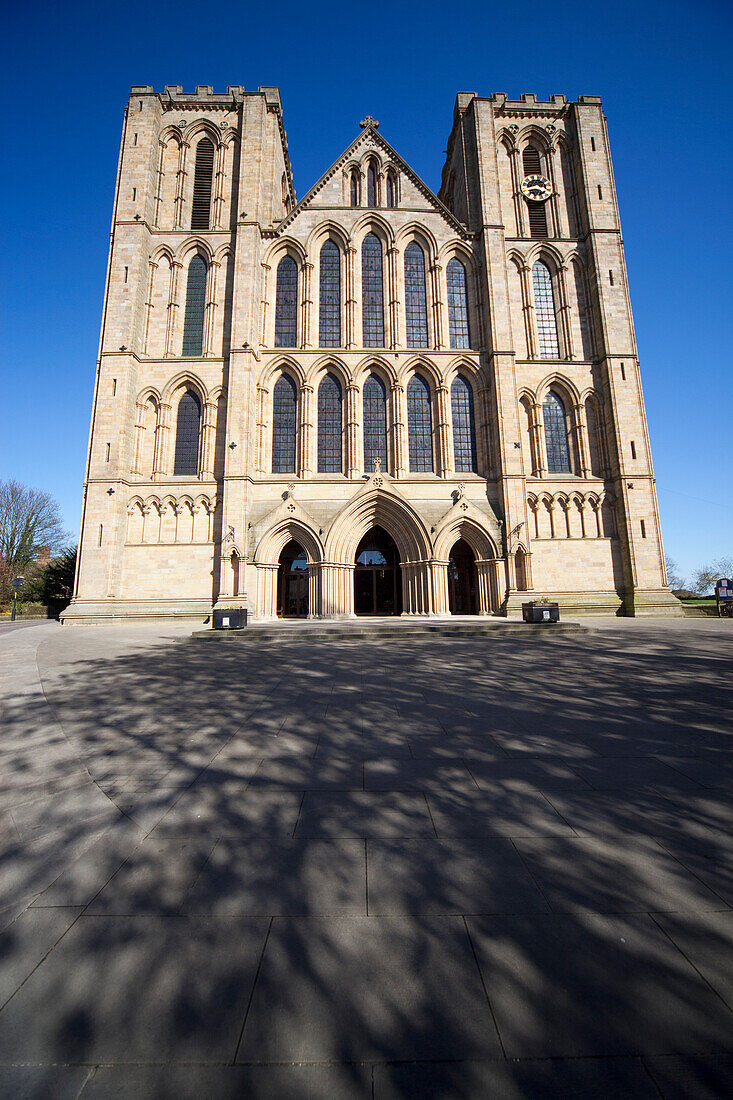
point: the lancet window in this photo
(457, 304)
(375, 422)
(193, 318)
(188, 431)
(372, 292)
(202, 179)
(544, 307)
(284, 425)
(286, 303)
(330, 296)
(464, 426)
(330, 426)
(419, 425)
(416, 312)
(556, 434)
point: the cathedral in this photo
(374, 400)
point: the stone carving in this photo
(369, 121)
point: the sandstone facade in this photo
(478, 343)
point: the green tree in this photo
(703, 580)
(29, 520)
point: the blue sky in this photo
(662, 69)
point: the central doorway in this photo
(377, 575)
(462, 580)
(292, 582)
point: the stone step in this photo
(317, 631)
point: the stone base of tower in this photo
(653, 601)
(647, 601)
(99, 612)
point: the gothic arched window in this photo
(354, 188)
(286, 303)
(284, 425)
(372, 184)
(536, 210)
(455, 274)
(203, 175)
(416, 310)
(188, 430)
(419, 425)
(375, 422)
(464, 427)
(390, 189)
(330, 422)
(329, 316)
(544, 307)
(372, 292)
(193, 318)
(556, 434)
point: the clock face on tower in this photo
(536, 188)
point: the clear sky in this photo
(663, 72)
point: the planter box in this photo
(541, 612)
(230, 618)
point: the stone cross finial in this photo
(377, 465)
(369, 121)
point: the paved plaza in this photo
(434, 867)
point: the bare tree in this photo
(29, 520)
(675, 580)
(703, 580)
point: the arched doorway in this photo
(292, 582)
(462, 581)
(377, 575)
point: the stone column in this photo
(152, 267)
(484, 570)
(520, 207)
(162, 433)
(350, 338)
(354, 447)
(211, 308)
(306, 336)
(159, 184)
(306, 430)
(436, 285)
(554, 173)
(439, 577)
(218, 198)
(208, 439)
(581, 440)
(264, 304)
(530, 327)
(261, 429)
(538, 442)
(445, 432)
(392, 335)
(173, 303)
(181, 186)
(267, 590)
(564, 310)
(399, 427)
(136, 469)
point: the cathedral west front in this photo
(374, 400)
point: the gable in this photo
(329, 192)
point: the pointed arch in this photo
(202, 184)
(419, 425)
(330, 425)
(284, 424)
(374, 398)
(188, 435)
(329, 295)
(544, 307)
(457, 286)
(193, 320)
(557, 442)
(372, 288)
(381, 508)
(416, 309)
(286, 303)
(464, 426)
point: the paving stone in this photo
(613, 875)
(156, 878)
(136, 989)
(281, 877)
(692, 1078)
(85, 877)
(232, 812)
(368, 988)
(707, 941)
(622, 773)
(43, 1082)
(708, 856)
(401, 775)
(544, 774)
(583, 985)
(549, 1078)
(368, 814)
(449, 876)
(343, 774)
(194, 1082)
(508, 810)
(26, 941)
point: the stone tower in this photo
(375, 400)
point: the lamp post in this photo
(18, 582)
